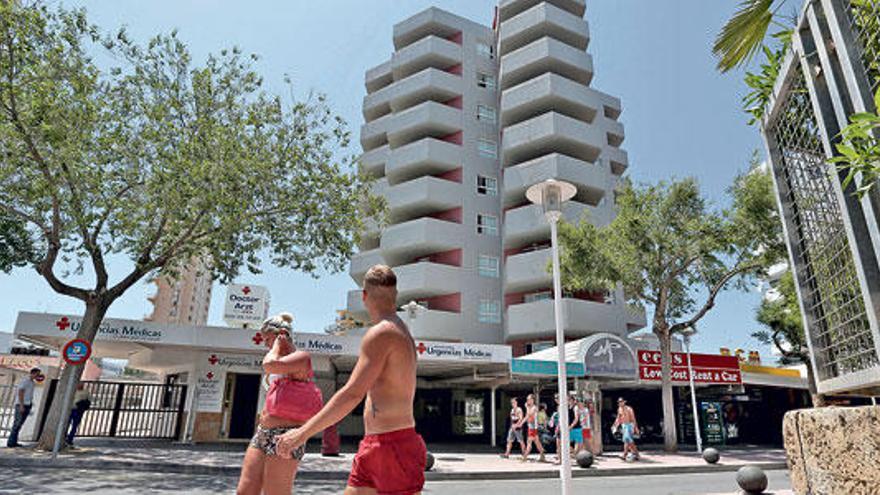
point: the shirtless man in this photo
(532, 423)
(626, 420)
(392, 456)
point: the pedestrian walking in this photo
(586, 421)
(575, 432)
(629, 428)
(82, 401)
(292, 399)
(24, 401)
(553, 423)
(533, 437)
(515, 430)
(392, 456)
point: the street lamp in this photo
(550, 194)
(687, 333)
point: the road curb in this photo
(196, 469)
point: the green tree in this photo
(673, 252)
(785, 331)
(154, 160)
(743, 34)
(16, 248)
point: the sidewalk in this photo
(226, 460)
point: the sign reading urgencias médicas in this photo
(246, 305)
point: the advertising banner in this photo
(707, 368)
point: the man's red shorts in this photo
(587, 433)
(390, 463)
(533, 433)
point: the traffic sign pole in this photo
(75, 353)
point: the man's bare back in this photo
(389, 404)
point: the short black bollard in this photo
(584, 459)
(751, 479)
(429, 462)
(711, 455)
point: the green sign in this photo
(544, 368)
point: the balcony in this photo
(618, 159)
(614, 134)
(431, 21)
(526, 224)
(378, 77)
(374, 133)
(429, 84)
(550, 93)
(419, 197)
(427, 156)
(591, 179)
(511, 8)
(426, 279)
(546, 55)
(527, 271)
(636, 319)
(428, 119)
(377, 104)
(433, 324)
(373, 161)
(430, 51)
(419, 237)
(543, 20)
(362, 261)
(552, 133)
(579, 319)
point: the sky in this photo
(682, 118)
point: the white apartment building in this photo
(459, 122)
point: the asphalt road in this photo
(70, 481)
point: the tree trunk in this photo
(60, 412)
(817, 398)
(670, 435)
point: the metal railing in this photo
(833, 236)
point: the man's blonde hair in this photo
(380, 281)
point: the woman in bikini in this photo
(292, 399)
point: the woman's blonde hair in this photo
(281, 322)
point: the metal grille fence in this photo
(832, 298)
(7, 413)
(864, 21)
(133, 410)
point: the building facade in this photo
(185, 300)
(458, 124)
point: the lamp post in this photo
(550, 194)
(687, 333)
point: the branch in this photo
(46, 269)
(95, 253)
(713, 293)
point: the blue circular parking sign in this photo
(77, 351)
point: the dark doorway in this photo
(433, 414)
(245, 395)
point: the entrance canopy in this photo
(154, 346)
(602, 355)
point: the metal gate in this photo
(132, 410)
(7, 412)
(833, 236)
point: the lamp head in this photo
(551, 194)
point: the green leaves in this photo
(742, 35)
(162, 160)
(781, 315)
(670, 249)
(761, 84)
(859, 150)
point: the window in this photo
(489, 311)
(488, 266)
(538, 346)
(485, 114)
(538, 296)
(487, 148)
(487, 224)
(485, 81)
(486, 50)
(487, 186)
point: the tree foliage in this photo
(859, 149)
(782, 318)
(671, 250)
(743, 34)
(159, 160)
(16, 249)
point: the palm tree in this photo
(742, 35)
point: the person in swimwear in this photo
(532, 425)
(626, 420)
(514, 433)
(291, 400)
(392, 456)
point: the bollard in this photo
(711, 455)
(584, 459)
(429, 462)
(751, 479)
